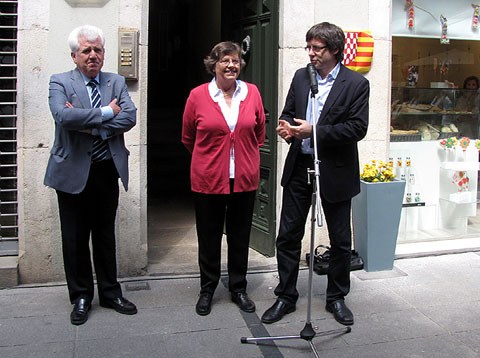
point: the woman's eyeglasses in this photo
(226, 62)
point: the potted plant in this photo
(376, 215)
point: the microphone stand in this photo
(308, 332)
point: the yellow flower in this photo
(374, 174)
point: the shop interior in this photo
(435, 136)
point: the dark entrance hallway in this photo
(181, 33)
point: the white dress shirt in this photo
(229, 113)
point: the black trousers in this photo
(213, 212)
(297, 198)
(92, 212)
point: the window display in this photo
(433, 113)
(441, 188)
(434, 135)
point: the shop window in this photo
(435, 136)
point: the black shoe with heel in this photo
(119, 304)
(243, 301)
(80, 311)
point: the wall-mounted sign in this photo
(358, 51)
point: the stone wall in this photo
(43, 29)
(43, 50)
(350, 15)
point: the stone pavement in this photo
(425, 307)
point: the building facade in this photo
(42, 49)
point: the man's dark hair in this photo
(331, 34)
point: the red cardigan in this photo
(206, 135)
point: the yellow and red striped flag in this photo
(358, 50)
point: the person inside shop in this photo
(92, 110)
(342, 121)
(468, 102)
(223, 129)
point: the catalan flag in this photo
(358, 50)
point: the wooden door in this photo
(254, 24)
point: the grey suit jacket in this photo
(70, 156)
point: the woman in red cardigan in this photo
(223, 128)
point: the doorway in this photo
(181, 33)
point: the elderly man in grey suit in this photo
(92, 109)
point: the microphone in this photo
(312, 73)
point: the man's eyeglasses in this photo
(314, 48)
(225, 62)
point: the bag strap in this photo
(321, 246)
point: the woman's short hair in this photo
(470, 78)
(331, 34)
(91, 33)
(219, 51)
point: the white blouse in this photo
(229, 113)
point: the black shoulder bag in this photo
(320, 260)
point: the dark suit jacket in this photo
(343, 122)
(70, 157)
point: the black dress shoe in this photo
(243, 301)
(119, 304)
(79, 314)
(277, 311)
(341, 313)
(204, 304)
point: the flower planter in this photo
(376, 215)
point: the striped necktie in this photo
(100, 147)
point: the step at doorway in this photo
(172, 241)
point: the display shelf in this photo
(461, 198)
(417, 137)
(433, 113)
(460, 166)
(411, 205)
(442, 205)
(445, 135)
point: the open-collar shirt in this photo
(324, 87)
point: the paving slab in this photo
(38, 329)
(470, 338)
(36, 350)
(458, 317)
(140, 346)
(425, 307)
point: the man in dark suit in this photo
(342, 113)
(92, 110)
